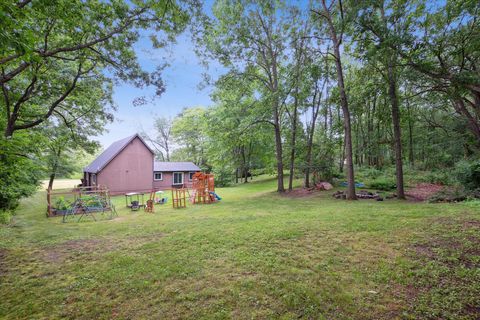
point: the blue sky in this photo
(182, 78)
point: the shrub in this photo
(438, 177)
(5, 216)
(61, 204)
(223, 177)
(383, 184)
(468, 174)
(456, 194)
(372, 173)
(19, 176)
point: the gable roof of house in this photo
(175, 166)
(111, 152)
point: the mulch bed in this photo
(301, 192)
(423, 191)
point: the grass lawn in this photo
(254, 255)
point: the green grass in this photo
(253, 255)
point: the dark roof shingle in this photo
(175, 166)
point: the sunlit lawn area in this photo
(253, 255)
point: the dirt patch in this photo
(446, 257)
(451, 250)
(423, 191)
(301, 193)
(75, 249)
(471, 224)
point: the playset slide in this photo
(215, 195)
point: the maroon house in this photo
(128, 165)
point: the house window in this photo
(157, 176)
(190, 176)
(178, 178)
(94, 179)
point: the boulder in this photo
(324, 186)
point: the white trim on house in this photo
(190, 175)
(173, 178)
(155, 176)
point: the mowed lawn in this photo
(254, 255)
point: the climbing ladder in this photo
(179, 199)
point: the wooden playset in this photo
(203, 188)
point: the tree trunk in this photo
(279, 156)
(244, 165)
(53, 173)
(292, 151)
(351, 195)
(341, 163)
(397, 134)
(411, 155)
(474, 125)
(277, 122)
(167, 151)
(309, 154)
(50, 182)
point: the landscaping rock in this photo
(362, 194)
(324, 186)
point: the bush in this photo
(456, 194)
(61, 204)
(372, 173)
(19, 178)
(385, 184)
(468, 174)
(438, 177)
(5, 216)
(223, 177)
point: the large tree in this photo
(64, 146)
(49, 48)
(250, 37)
(162, 141)
(235, 140)
(335, 22)
(379, 32)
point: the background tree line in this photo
(337, 85)
(315, 90)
